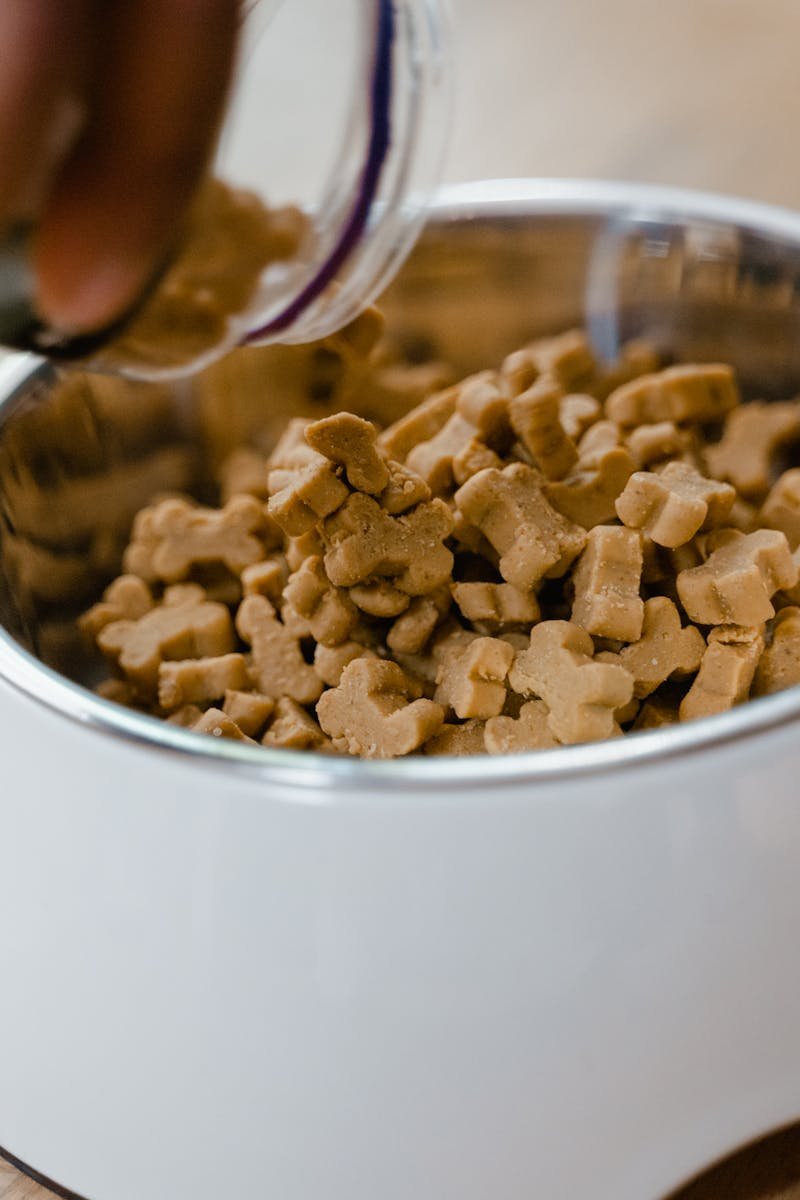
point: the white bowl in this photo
(234, 972)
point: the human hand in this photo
(143, 85)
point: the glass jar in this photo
(345, 108)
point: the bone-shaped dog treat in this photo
(364, 541)
(311, 494)
(243, 471)
(330, 661)
(471, 674)
(473, 457)
(278, 667)
(172, 537)
(529, 731)
(567, 358)
(412, 631)
(736, 582)
(655, 714)
(218, 724)
(753, 434)
(536, 419)
(249, 710)
(636, 357)
(404, 490)
(599, 438)
(607, 581)
(457, 740)
(126, 599)
(298, 549)
(292, 452)
(199, 680)
(267, 578)
(690, 392)
(588, 496)
(371, 714)
(781, 509)
(328, 611)
(672, 506)
(726, 671)
(654, 443)
(481, 413)
(496, 606)
(582, 695)
(779, 665)
(293, 729)
(419, 425)
(511, 510)
(379, 599)
(351, 442)
(186, 625)
(664, 649)
(577, 413)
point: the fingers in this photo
(41, 60)
(160, 83)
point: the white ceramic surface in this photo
(575, 982)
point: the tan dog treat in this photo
(510, 509)
(781, 509)
(365, 542)
(198, 680)
(243, 472)
(120, 692)
(736, 582)
(664, 649)
(607, 581)
(458, 740)
(673, 506)
(380, 599)
(530, 731)
(311, 495)
(653, 443)
(567, 358)
(636, 357)
(126, 599)
(744, 516)
(293, 729)
(298, 549)
(536, 419)
(328, 611)
(172, 537)
(578, 413)
(471, 674)
(218, 724)
(779, 665)
(186, 625)
(385, 393)
(655, 714)
(690, 392)
(497, 606)
(330, 661)
(475, 456)
(420, 425)
(582, 695)
(588, 496)
(596, 443)
(359, 338)
(726, 671)
(267, 578)
(372, 714)
(481, 412)
(249, 710)
(351, 442)
(185, 717)
(412, 631)
(292, 452)
(278, 667)
(628, 712)
(404, 490)
(753, 434)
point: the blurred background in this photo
(698, 93)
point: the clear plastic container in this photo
(341, 110)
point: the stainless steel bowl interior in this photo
(704, 277)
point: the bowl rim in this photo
(341, 777)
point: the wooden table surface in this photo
(696, 93)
